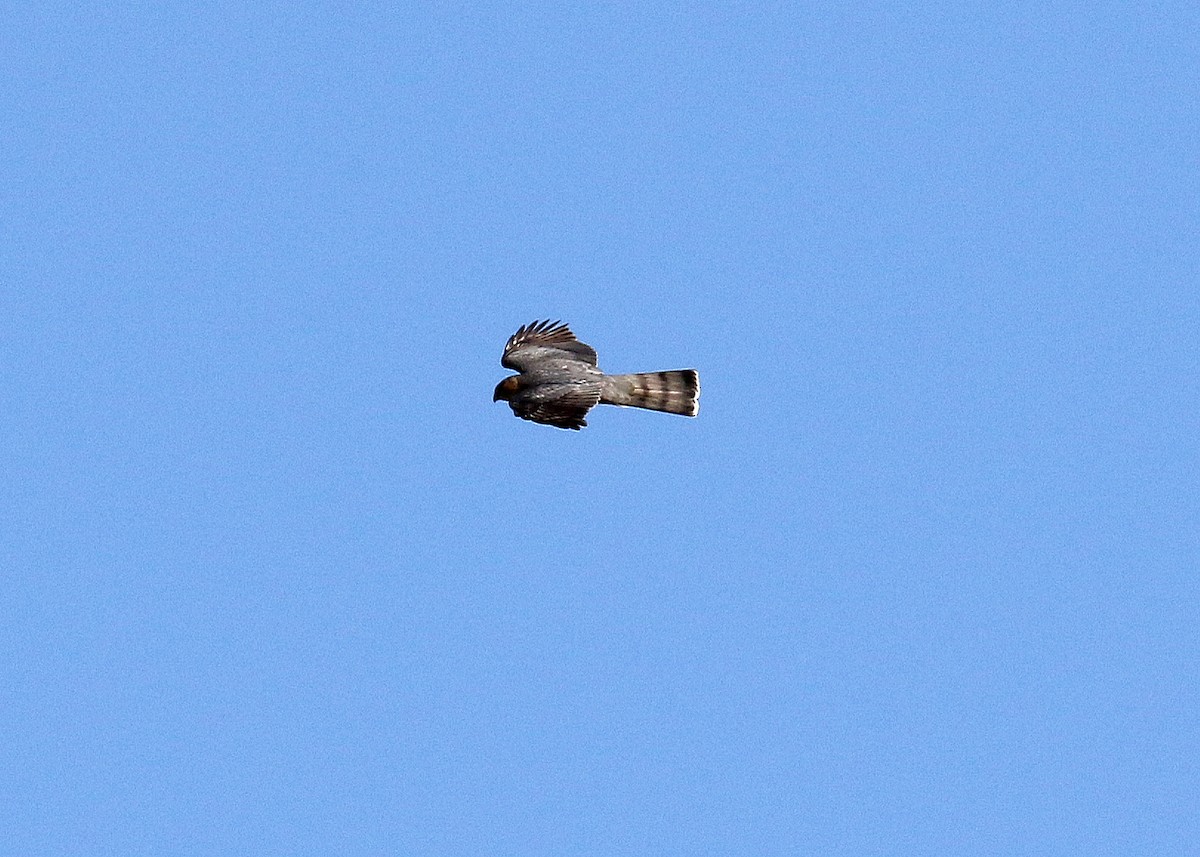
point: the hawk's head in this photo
(506, 388)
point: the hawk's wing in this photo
(563, 406)
(544, 340)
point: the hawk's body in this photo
(559, 381)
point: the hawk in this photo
(559, 381)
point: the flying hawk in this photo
(559, 382)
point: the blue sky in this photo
(280, 578)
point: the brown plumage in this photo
(559, 381)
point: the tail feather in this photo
(676, 391)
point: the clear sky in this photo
(280, 578)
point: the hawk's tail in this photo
(676, 391)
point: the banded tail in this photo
(676, 391)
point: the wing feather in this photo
(544, 340)
(563, 408)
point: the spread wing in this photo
(544, 340)
(558, 405)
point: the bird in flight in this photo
(559, 381)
